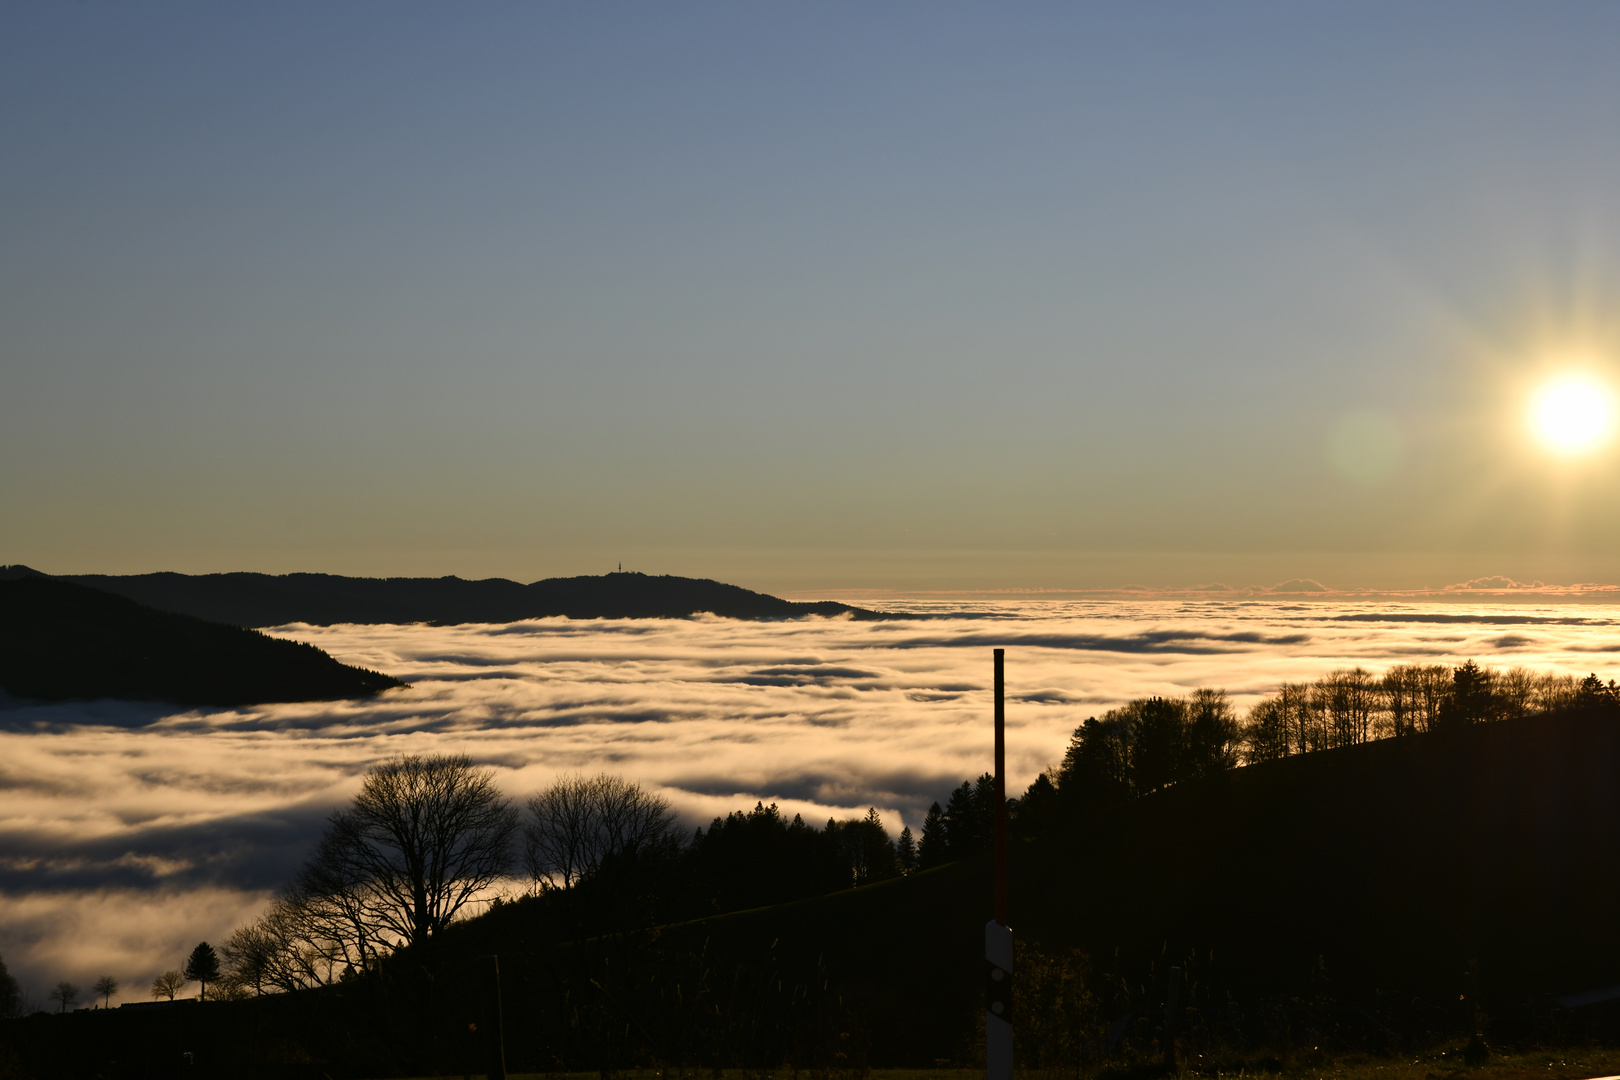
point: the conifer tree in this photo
(202, 966)
(933, 850)
(905, 852)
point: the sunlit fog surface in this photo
(128, 832)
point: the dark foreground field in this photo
(1376, 904)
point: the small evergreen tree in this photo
(1035, 808)
(1471, 701)
(905, 852)
(202, 966)
(933, 849)
(1592, 694)
(970, 817)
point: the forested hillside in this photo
(60, 641)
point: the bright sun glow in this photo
(1573, 413)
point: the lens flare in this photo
(1573, 414)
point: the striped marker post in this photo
(998, 938)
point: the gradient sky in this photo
(806, 297)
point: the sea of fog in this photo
(128, 832)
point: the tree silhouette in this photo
(905, 851)
(425, 836)
(932, 849)
(1590, 693)
(970, 815)
(1159, 737)
(202, 966)
(64, 994)
(105, 987)
(579, 822)
(168, 984)
(1096, 768)
(1470, 701)
(863, 848)
(756, 858)
(1213, 733)
(1266, 737)
(1031, 812)
(10, 993)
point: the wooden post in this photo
(489, 1024)
(998, 938)
(1001, 789)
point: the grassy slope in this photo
(60, 641)
(1398, 862)
(1394, 865)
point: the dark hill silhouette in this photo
(60, 641)
(1335, 893)
(247, 599)
(1335, 877)
(1397, 863)
(1332, 878)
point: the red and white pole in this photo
(998, 939)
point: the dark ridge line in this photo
(257, 600)
(60, 641)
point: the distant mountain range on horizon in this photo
(253, 600)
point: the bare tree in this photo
(425, 837)
(105, 987)
(1433, 682)
(579, 821)
(245, 956)
(64, 994)
(1402, 703)
(1515, 693)
(295, 945)
(1213, 733)
(1266, 735)
(1554, 692)
(1351, 700)
(168, 984)
(1300, 720)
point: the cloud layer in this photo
(128, 831)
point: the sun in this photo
(1572, 414)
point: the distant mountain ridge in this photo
(249, 599)
(60, 641)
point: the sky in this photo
(807, 297)
(129, 831)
